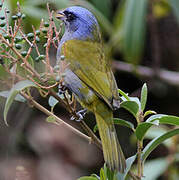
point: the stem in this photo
(133, 176)
(96, 141)
(139, 163)
(140, 119)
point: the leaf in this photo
(13, 92)
(175, 6)
(87, 178)
(149, 112)
(136, 99)
(52, 101)
(155, 142)
(116, 36)
(142, 128)
(154, 168)
(134, 28)
(156, 131)
(95, 128)
(130, 106)
(164, 119)
(102, 174)
(124, 94)
(51, 119)
(108, 174)
(143, 97)
(154, 117)
(173, 120)
(129, 162)
(18, 97)
(94, 175)
(122, 122)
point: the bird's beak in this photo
(60, 15)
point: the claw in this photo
(81, 114)
(72, 118)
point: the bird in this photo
(89, 77)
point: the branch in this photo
(58, 120)
(169, 77)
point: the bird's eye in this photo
(70, 16)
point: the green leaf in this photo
(87, 178)
(52, 101)
(149, 112)
(18, 97)
(143, 97)
(142, 128)
(156, 131)
(134, 28)
(164, 119)
(108, 174)
(95, 128)
(154, 168)
(116, 37)
(158, 140)
(136, 99)
(51, 119)
(124, 94)
(129, 162)
(13, 92)
(120, 122)
(175, 6)
(125, 123)
(130, 106)
(94, 175)
(102, 174)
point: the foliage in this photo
(136, 108)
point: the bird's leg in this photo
(81, 114)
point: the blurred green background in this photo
(141, 38)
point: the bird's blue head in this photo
(80, 24)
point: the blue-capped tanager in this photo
(89, 77)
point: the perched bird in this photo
(89, 76)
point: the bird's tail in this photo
(112, 152)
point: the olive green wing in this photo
(86, 59)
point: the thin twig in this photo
(96, 141)
(169, 77)
(60, 121)
(49, 39)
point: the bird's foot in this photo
(81, 114)
(62, 88)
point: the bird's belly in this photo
(83, 93)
